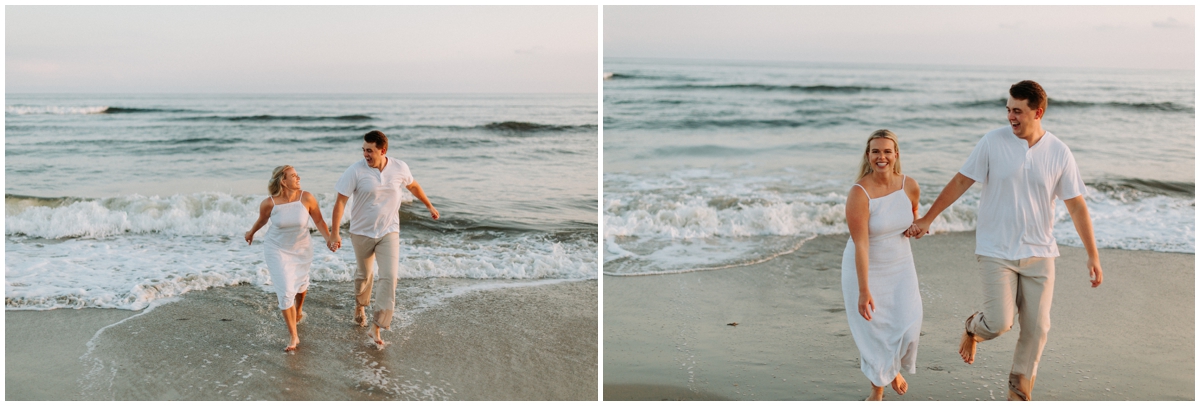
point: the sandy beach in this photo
(667, 337)
(527, 341)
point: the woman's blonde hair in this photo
(866, 168)
(276, 177)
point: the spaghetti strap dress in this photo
(289, 252)
(888, 343)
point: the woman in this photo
(879, 279)
(288, 247)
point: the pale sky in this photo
(1141, 37)
(301, 49)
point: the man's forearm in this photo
(1082, 219)
(339, 207)
(950, 194)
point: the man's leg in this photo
(999, 279)
(388, 252)
(364, 276)
(1034, 293)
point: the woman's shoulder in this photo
(909, 181)
(857, 190)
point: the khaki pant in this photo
(1024, 287)
(385, 250)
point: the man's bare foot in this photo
(876, 393)
(899, 385)
(292, 347)
(373, 332)
(966, 348)
(360, 316)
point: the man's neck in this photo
(382, 163)
(1034, 135)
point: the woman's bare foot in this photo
(876, 393)
(899, 385)
(360, 316)
(292, 347)
(966, 349)
(373, 332)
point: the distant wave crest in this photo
(791, 88)
(692, 123)
(70, 110)
(269, 118)
(526, 127)
(1073, 104)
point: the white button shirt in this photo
(375, 196)
(1020, 183)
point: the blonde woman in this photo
(879, 280)
(287, 245)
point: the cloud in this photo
(1171, 23)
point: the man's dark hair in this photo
(1031, 92)
(378, 138)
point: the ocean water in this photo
(116, 201)
(713, 164)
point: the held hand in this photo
(433, 212)
(866, 305)
(249, 237)
(1095, 271)
(922, 227)
(335, 242)
(912, 231)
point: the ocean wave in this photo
(127, 110)
(127, 252)
(703, 219)
(131, 272)
(446, 142)
(23, 110)
(1160, 106)
(673, 78)
(1053, 103)
(270, 118)
(358, 130)
(788, 88)
(747, 123)
(526, 127)
(1129, 189)
(66, 110)
(198, 214)
(211, 214)
(648, 101)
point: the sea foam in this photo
(700, 220)
(128, 252)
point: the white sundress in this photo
(888, 343)
(288, 250)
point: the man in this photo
(1022, 169)
(375, 184)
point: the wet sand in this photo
(666, 337)
(526, 342)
